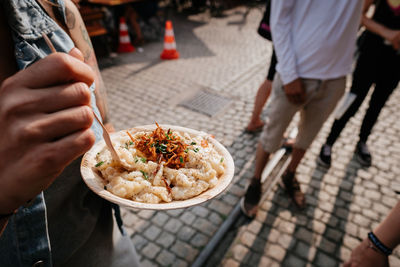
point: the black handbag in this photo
(264, 30)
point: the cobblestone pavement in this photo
(225, 56)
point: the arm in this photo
(388, 232)
(82, 41)
(281, 23)
(393, 36)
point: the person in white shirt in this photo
(314, 42)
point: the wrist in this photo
(377, 243)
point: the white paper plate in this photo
(95, 182)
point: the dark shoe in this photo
(249, 203)
(251, 129)
(363, 154)
(325, 156)
(292, 188)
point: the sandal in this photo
(292, 188)
(254, 129)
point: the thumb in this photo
(76, 53)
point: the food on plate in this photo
(165, 165)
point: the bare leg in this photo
(261, 98)
(249, 204)
(262, 158)
(290, 182)
(297, 156)
(132, 17)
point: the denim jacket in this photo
(67, 224)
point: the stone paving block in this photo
(165, 239)
(286, 241)
(276, 252)
(216, 218)
(175, 213)
(200, 211)
(152, 232)
(324, 260)
(286, 227)
(230, 199)
(334, 234)
(180, 263)
(146, 263)
(151, 250)
(204, 226)
(129, 218)
(305, 250)
(327, 246)
(304, 235)
(230, 263)
(254, 226)
(165, 258)
(220, 207)
(199, 240)
(361, 221)
(345, 254)
(173, 225)
(185, 233)
(372, 194)
(184, 251)
(146, 214)
(293, 261)
(248, 239)
(350, 242)
(187, 217)
(160, 219)
(139, 241)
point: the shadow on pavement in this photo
(304, 234)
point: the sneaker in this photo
(292, 188)
(363, 154)
(249, 203)
(325, 156)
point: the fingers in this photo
(49, 127)
(55, 69)
(76, 53)
(54, 99)
(53, 157)
(74, 145)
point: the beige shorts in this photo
(321, 98)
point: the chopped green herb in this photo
(145, 175)
(196, 149)
(193, 143)
(136, 160)
(222, 160)
(99, 163)
(186, 150)
(161, 148)
(167, 136)
(130, 143)
(181, 159)
(144, 160)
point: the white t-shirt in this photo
(314, 38)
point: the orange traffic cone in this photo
(169, 51)
(125, 45)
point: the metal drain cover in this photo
(206, 103)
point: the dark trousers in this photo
(377, 64)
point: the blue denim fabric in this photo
(26, 238)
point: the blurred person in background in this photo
(314, 42)
(378, 63)
(263, 92)
(48, 216)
